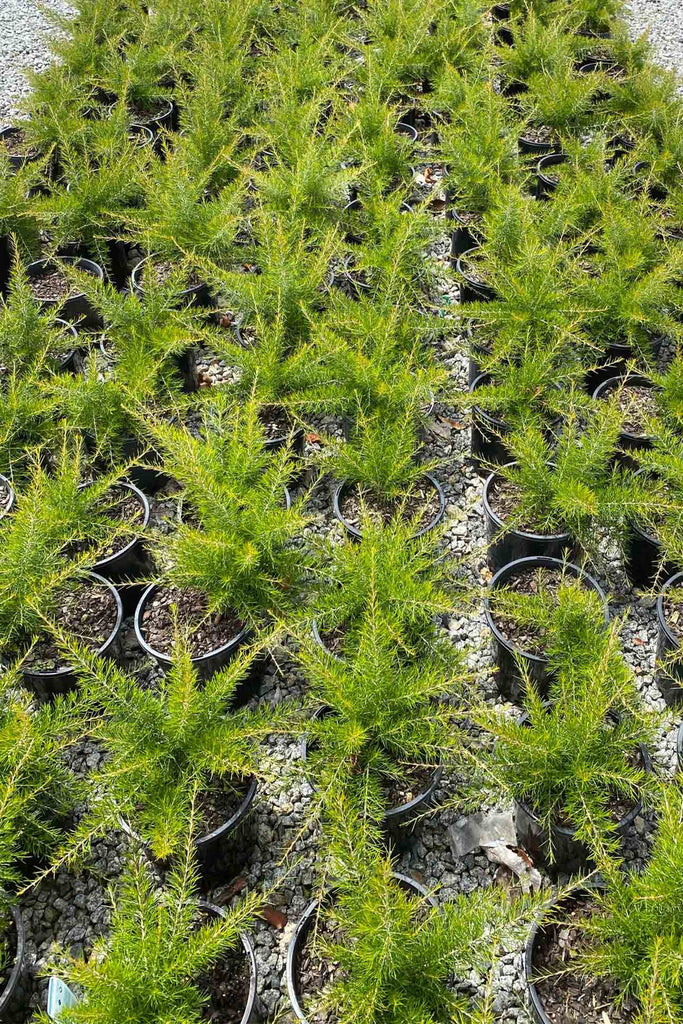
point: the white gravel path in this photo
(24, 28)
(663, 21)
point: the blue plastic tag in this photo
(59, 996)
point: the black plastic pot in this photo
(357, 285)
(529, 147)
(71, 361)
(538, 935)
(184, 362)
(205, 664)
(5, 264)
(614, 363)
(197, 295)
(628, 442)
(462, 239)
(472, 290)
(76, 308)
(643, 555)
(477, 350)
(402, 128)
(166, 119)
(669, 659)
(251, 1010)
(508, 658)
(18, 160)
(10, 994)
(223, 852)
(303, 929)
(545, 184)
(315, 633)
(570, 856)
(141, 135)
(357, 534)
(49, 684)
(500, 12)
(509, 545)
(131, 561)
(487, 435)
(679, 747)
(10, 501)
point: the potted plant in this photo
(40, 586)
(33, 339)
(559, 102)
(652, 542)
(575, 764)
(616, 937)
(522, 600)
(550, 501)
(391, 570)
(232, 563)
(167, 952)
(54, 288)
(181, 756)
(669, 663)
(378, 728)
(341, 968)
(381, 477)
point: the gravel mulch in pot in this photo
(8, 949)
(204, 632)
(541, 134)
(5, 497)
(125, 509)
(145, 113)
(316, 972)
(572, 998)
(276, 422)
(673, 613)
(88, 613)
(16, 144)
(423, 501)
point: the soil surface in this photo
(87, 613)
(637, 405)
(227, 985)
(164, 268)
(125, 509)
(542, 134)
(145, 113)
(218, 803)
(673, 614)
(53, 284)
(335, 638)
(505, 498)
(423, 501)
(276, 422)
(16, 145)
(470, 272)
(468, 217)
(8, 949)
(571, 998)
(415, 780)
(205, 632)
(536, 581)
(316, 975)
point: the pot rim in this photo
(127, 485)
(12, 496)
(166, 660)
(533, 561)
(628, 380)
(248, 947)
(549, 160)
(79, 261)
(403, 128)
(7, 991)
(565, 831)
(354, 532)
(476, 286)
(65, 670)
(672, 582)
(164, 99)
(536, 928)
(234, 820)
(501, 522)
(300, 933)
(138, 286)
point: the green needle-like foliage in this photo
(30, 338)
(37, 790)
(570, 757)
(239, 547)
(153, 964)
(162, 744)
(634, 937)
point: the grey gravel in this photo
(23, 30)
(663, 21)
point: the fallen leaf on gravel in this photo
(274, 917)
